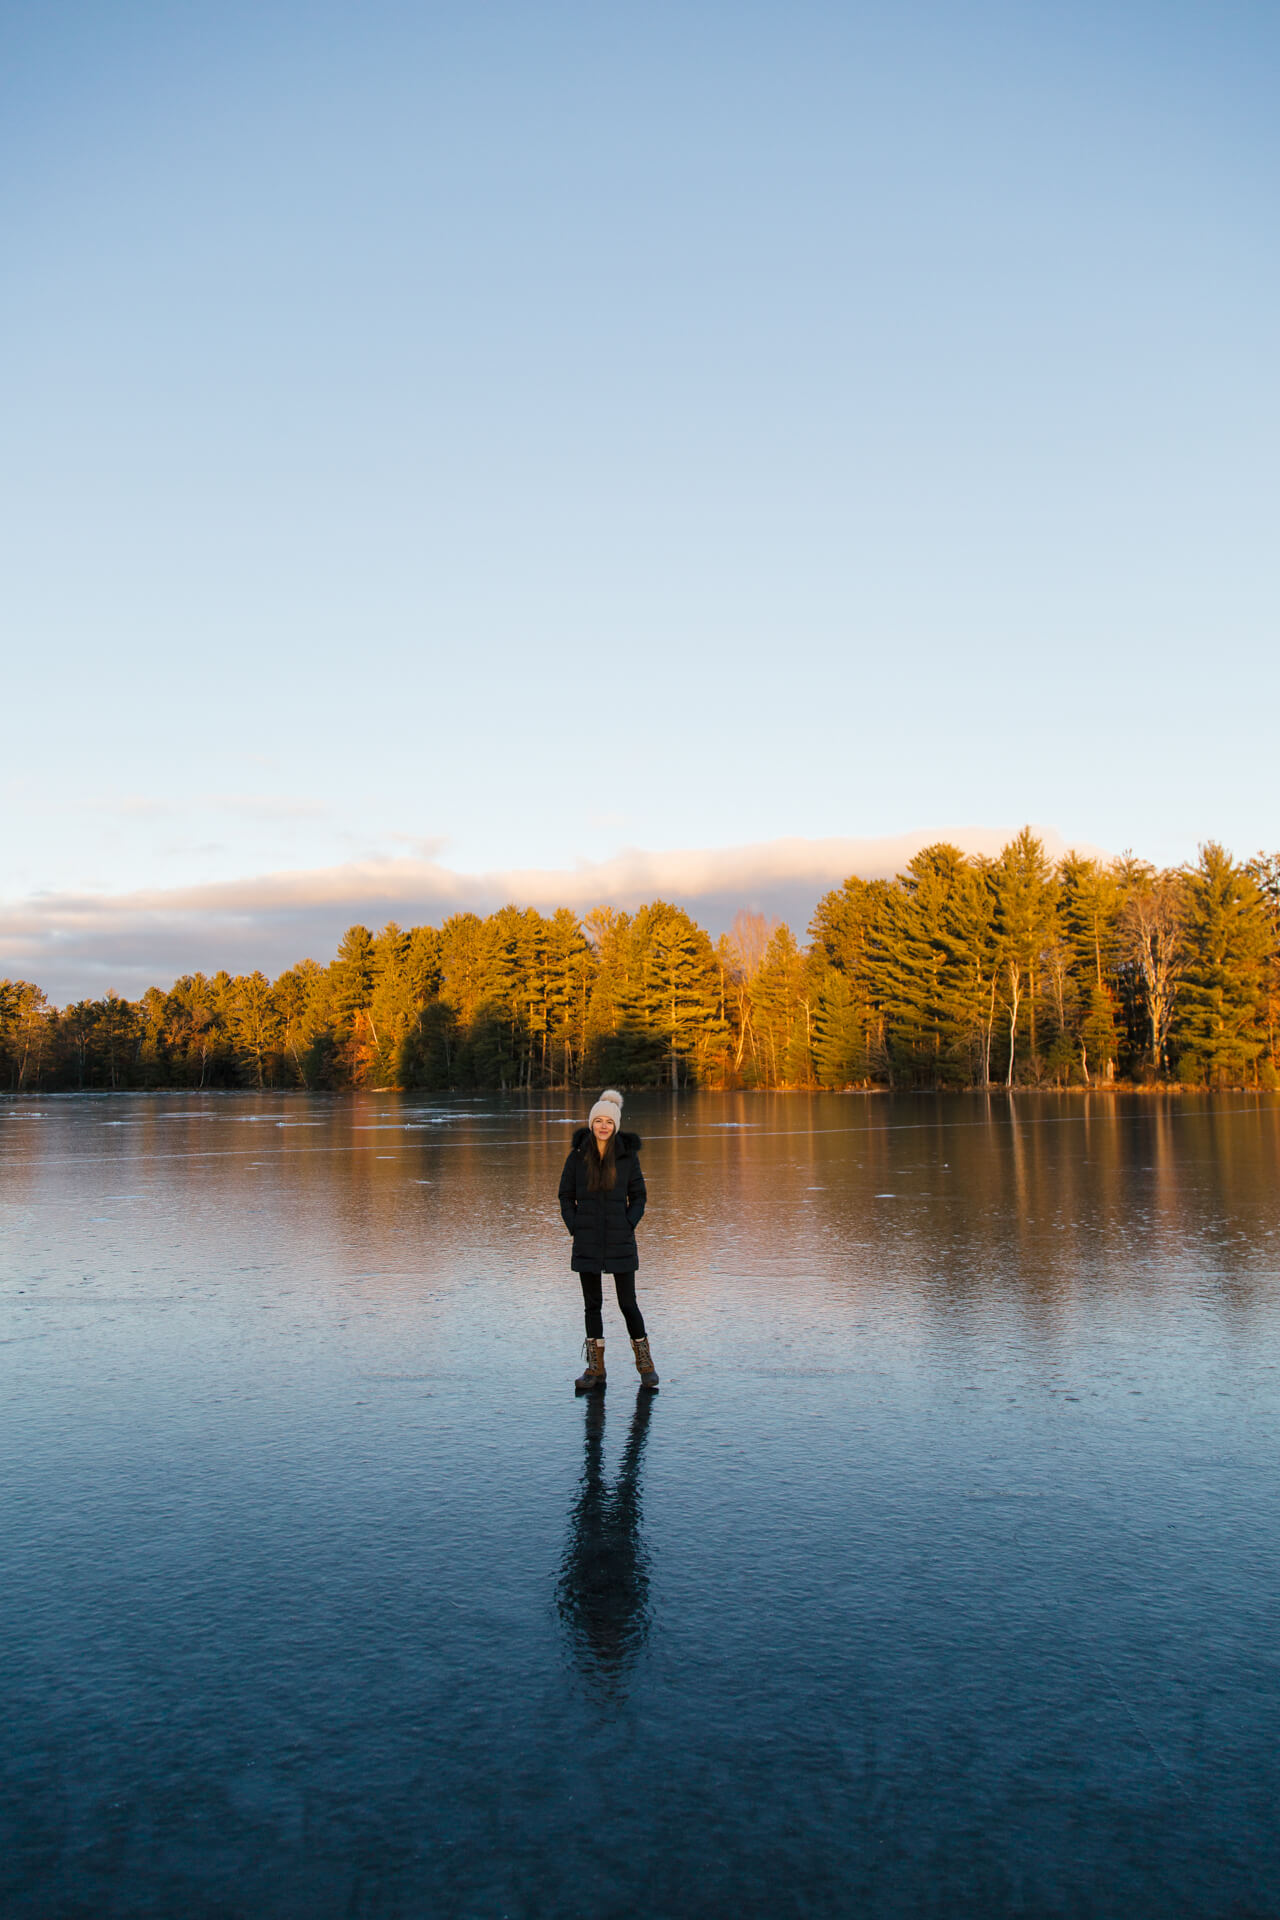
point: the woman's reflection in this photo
(603, 1591)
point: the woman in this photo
(601, 1200)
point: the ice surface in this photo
(939, 1579)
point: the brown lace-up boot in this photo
(644, 1363)
(594, 1375)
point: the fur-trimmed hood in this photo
(626, 1142)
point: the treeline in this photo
(960, 972)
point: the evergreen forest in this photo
(960, 972)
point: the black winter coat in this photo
(603, 1224)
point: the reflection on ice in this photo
(603, 1591)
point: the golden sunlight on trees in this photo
(961, 972)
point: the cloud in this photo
(260, 806)
(136, 806)
(78, 945)
(251, 806)
(426, 848)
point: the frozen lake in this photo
(942, 1578)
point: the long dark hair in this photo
(602, 1168)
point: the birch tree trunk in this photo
(1015, 1000)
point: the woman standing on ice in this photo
(602, 1197)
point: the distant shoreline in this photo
(436, 1095)
(964, 973)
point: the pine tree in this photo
(415, 1060)
(301, 999)
(679, 1000)
(464, 958)
(570, 973)
(389, 1011)
(194, 1030)
(117, 1033)
(783, 992)
(931, 961)
(499, 1025)
(155, 1065)
(973, 969)
(1220, 1024)
(1089, 916)
(253, 1025)
(1025, 898)
(351, 975)
(918, 962)
(846, 931)
(621, 1045)
(839, 1038)
(25, 1032)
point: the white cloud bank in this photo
(82, 945)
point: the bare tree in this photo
(1152, 929)
(749, 938)
(742, 952)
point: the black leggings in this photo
(625, 1287)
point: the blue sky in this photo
(509, 435)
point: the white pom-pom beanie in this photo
(610, 1105)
